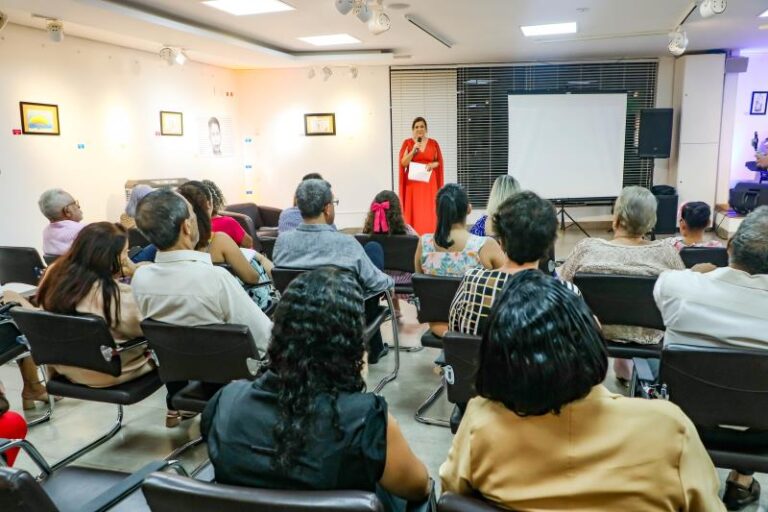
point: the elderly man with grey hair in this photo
(724, 307)
(315, 243)
(64, 215)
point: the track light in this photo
(345, 6)
(3, 20)
(55, 29)
(709, 8)
(327, 73)
(367, 11)
(353, 72)
(380, 22)
(363, 12)
(311, 73)
(173, 56)
(678, 42)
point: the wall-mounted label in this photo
(81, 146)
(248, 140)
(249, 192)
(16, 131)
(248, 166)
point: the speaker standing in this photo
(418, 189)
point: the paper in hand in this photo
(419, 172)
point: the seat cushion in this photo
(631, 350)
(430, 340)
(124, 394)
(192, 398)
(70, 487)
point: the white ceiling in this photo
(483, 31)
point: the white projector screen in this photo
(568, 146)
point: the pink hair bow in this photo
(380, 217)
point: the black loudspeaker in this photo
(666, 215)
(746, 196)
(655, 133)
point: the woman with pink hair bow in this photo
(386, 218)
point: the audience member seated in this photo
(222, 224)
(504, 187)
(452, 250)
(86, 280)
(316, 243)
(65, 217)
(386, 218)
(545, 434)
(250, 270)
(307, 423)
(725, 307)
(12, 426)
(128, 217)
(183, 287)
(694, 219)
(290, 218)
(634, 214)
(526, 226)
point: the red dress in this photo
(418, 197)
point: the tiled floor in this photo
(144, 436)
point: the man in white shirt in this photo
(183, 287)
(725, 307)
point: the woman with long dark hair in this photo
(417, 195)
(307, 422)
(86, 279)
(544, 432)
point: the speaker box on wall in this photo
(655, 133)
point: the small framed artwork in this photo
(39, 118)
(319, 124)
(171, 123)
(758, 105)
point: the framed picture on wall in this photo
(39, 118)
(758, 105)
(319, 124)
(171, 123)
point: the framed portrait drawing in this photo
(171, 123)
(319, 124)
(39, 118)
(758, 105)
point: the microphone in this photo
(416, 152)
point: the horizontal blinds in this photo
(431, 94)
(482, 114)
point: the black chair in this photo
(83, 342)
(462, 362)
(71, 488)
(720, 386)
(399, 253)
(282, 277)
(717, 256)
(20, 265)
(204, 355)
(265, 218)
(170, 493)
(136, 238)
(623, 300)
(450, 502)
(50, 258)
(434, 295)
(268, 245)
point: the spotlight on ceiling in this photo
(311, 73)
(379, 23)
(709, 8)
(3, 20)
(345, 6)
(363, 12)
(678, 42)
(327, 73)
(353, 72)
(173, 56)
(55, 29)
(180, 58)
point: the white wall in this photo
(745, 125)
(357, 161)
(109, 99)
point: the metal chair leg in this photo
(174, 455)
(87, 448)
(428, 403)
(396, 340)
(48, 413)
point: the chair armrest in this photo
(122, 489)
(29, 449)
(7, 307)
(132, 343)
(257, 285)
(643, 370)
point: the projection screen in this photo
(568, 146)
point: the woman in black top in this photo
(306, 422)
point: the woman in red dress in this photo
(418, 197)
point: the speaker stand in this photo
(563, 214)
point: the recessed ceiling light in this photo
(764, 14)
(247, 7)
(330, 40)
(549, 30)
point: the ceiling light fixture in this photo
(353, 72)
(380, 22)
(678, 42)
(330, 40)
(248, 7)
(327, 73)
(55, 29)
(173, 56)
(549, 30)
(311, 73)
(421, 25)
(363, 12)
(709, 8)
(345, 6)
(367, 11)
(764, 14)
